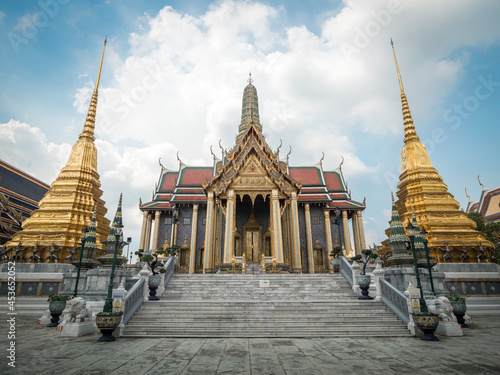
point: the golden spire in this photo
(88, 128)
(410, 132)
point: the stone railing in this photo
(395, 300)
(169, 270)
(133, 300)
(346, 270)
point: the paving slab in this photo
(40, 350)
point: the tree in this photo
(490, 229)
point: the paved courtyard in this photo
(41, 350)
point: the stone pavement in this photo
(40, 350)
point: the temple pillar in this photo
(229, 232)
(209, 238)
(361, 230)
(347, 236)
(310, 256)
(194, 227)
(277, 236)
(328, 235)
(295, 233)
(354, 222)
(154, 245)
(143, 230)
(148, 234)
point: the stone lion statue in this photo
(442, 307)
(78, 310)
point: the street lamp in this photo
(108, 304)
(411, 245)
(129, 240)
(337, 221)
(85, 230)
(424, 234)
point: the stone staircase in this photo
(262, 305)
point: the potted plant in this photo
(156, 267)
(363, 279)
(107, 323)
(428, 323)
(334, 254)
(57, 304)
(459, 308)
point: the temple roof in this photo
(488, 205)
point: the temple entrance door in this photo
(252, 246)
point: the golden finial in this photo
(342, 162)
(250, 80)
(397, 68)
(467, 195)
(478, 180)
(100, 66)
(322, 158)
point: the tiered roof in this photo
(488, 205)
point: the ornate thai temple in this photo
(68, 205)
(19, 197)
(421, 191)
(488, 205)
(251, 207)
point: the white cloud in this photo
(2, 15)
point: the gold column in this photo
(328, 235)
(154, 245)
(295, 232)
(361, 231)
(354, 222)
(148, 233)
(143, 230)
(194, 227)
(209, 231)
(347, 236)
(277, 236)
(229, 232)
(310, 256)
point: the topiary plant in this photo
(365, 257)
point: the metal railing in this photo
(346, 270)
(394, 300)
(133, 300)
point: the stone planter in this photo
(153, 284)
(364, 285)
(107, 324)
(56, 308)
(428, 323)
(459, 309)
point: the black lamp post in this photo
(85, 230)
(337, 221)
(424, 233)
(108, 304)
(411, 245)
(129, 240)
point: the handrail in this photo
(394, 300)
(346, 269)
(169, 270)
(133, 300)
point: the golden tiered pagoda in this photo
(68, 206)
(422, 190)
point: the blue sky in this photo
(324, 72)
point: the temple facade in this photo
(423, 195)
(250, 207)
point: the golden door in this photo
(252, 246)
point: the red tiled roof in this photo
(189, 198)
(313, 197)
(194, 176)
(333, 181)
(309, 175)
(169, 181)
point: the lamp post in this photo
(108, 304)
(411, 245)
(424, 233)
(129, 240)
(84, 238)
(337, 222)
